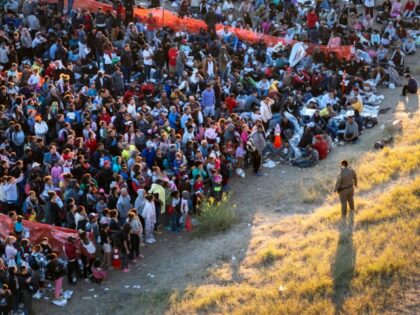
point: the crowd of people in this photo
(119, 128)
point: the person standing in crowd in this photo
(125, 244)
(151, 24)
(56, 272)
(211, 20)
(70, 251)
(344, 187)
(208, 101)
(258, 139)
(124, 205)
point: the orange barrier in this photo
(57, 236)
(169, 19)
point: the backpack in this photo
(33, 263)
(250, 145)
(81, 225)
(60, 270)
(63, 134)
(117, 239)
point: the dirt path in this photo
(177, 261)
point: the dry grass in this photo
(321, 264)
(319, 188)
(375, 167)
(334, 267)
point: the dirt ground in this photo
(177, 261)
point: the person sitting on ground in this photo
(321, 146)
(309, 159)
(411, 86)
(351, 132)
(98, 273)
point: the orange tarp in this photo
(169, 19)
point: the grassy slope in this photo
(318, 263)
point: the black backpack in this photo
(33, 263)
(117, 239)
(81, 225)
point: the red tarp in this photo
(57, 236)
(169, 19)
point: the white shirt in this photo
(370, 3)
(37, 41)
(131, 109)
(263, 85)
(265, 110)
(4, 55)
(147, 56)
(34, 79)
(41, 128)
(2, 194)
(326, 99)
(227, 6)
(184, 206)
(210, 68)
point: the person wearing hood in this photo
(149, 154)
(124, 204)
(157, 188)
(140, 201)
(149, 216)
(258, 138)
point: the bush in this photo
(270, 255)
(214, 218)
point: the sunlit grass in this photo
(375, 167)
(320, 264)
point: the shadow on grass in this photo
(344, 264)
(411, 104)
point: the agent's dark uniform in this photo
(345, 184)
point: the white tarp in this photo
(363, 56)
(294, 141)
(297, 54)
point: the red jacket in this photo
(230, 103)
(151, 23)
(71, 251)
(91, 144)
(301, 78)
(322, 147)
(311, 19)
(172, 55)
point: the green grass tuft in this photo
(214, 218)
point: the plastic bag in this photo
(240, 172)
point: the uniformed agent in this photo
(346, 182)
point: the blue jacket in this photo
(208, 98)
(149, 156)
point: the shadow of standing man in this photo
(343, 266)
